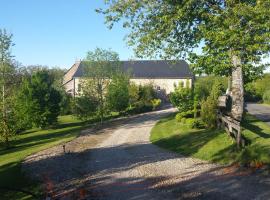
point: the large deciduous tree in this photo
(7, 83)
(234, 35)
(100, 65)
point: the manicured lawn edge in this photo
(214, 145)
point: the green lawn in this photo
(28, 143)
(214, 145)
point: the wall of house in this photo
(166, 85)
(69, 87)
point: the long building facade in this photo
(163, 75)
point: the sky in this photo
(59, 32)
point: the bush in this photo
(189, 122)
(84, 107)
(133, 91)
(187, 114)
(155, 103)
(140, 107)
(182, 98)
(266, 96)
(142, 99)
(197, 123)
(183, 120)
(146, 93)
(209, 112)
(118, 93)
(178, 117)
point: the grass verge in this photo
(214, 145)
(13, 184)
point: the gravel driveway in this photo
(118, 162)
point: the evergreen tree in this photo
(38, 100)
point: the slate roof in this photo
(142, 69)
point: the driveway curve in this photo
(117, 161)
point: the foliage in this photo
(256, 89)
(266, 96)
(223, 29)
(187, 114)
(182, 98)
(141, 107)
(209, 106)
(118, 92)
(146, 93)
(66, 103)
(142, 98)
(155, 103)
(178, 117)
(84, 107)
(38, 102)
(195, 106)
(8, 122)
(209, 112)
(197, 123)
(133, 91)
(203, 85)
(99, 68)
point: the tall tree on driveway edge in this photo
(7, 71)
(100, 65)
(234, 35)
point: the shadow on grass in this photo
(188, 143)
(248, 123)
(14, 185)
(24, 143)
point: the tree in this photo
(99, 67)
(118, 92)
(234, 35)
(7, 82)
(38, 101)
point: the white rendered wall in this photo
(164, 84)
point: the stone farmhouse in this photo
(162, 74)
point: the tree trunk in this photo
(237, 89)
(237, 94)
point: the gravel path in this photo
(118, 162)
(262, 112)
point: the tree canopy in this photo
(99, 67)
(173, 29)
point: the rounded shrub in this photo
(178, 117)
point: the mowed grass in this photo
(11, 178)
(214, 145)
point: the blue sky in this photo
(57, 32)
